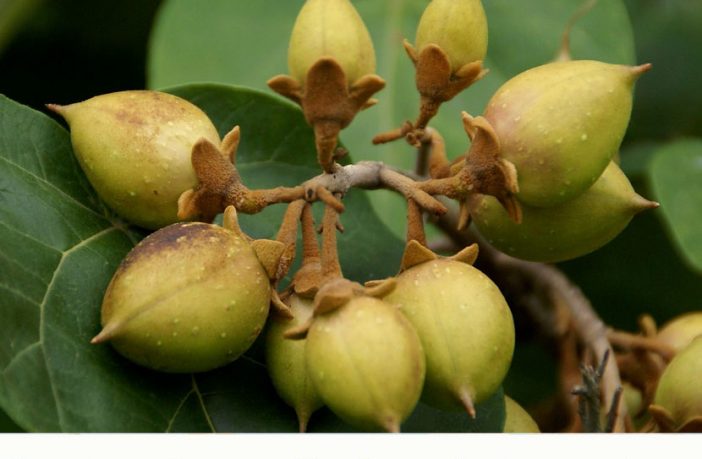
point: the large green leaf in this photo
(668, 98)
(60, 246)
(217, 43)
(676, 178)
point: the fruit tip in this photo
(641, 204)
(638, 70)
(303, 418)
(106, 334)
(56, 108)
(467, 402)
(391, 425)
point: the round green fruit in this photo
(517, 420)
(330, 28)
(190, 297)
(466, 330)
(561, 124)
(366, 363)
(565, 231)
(287, 367)
(679, 391)
(458, 27)
(135, 147)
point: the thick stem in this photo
(415, 223)
(331, 268)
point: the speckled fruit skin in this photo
(330, 28)
(566, 231)
(190, 297)
(367, 363)
(465, 326)
(679, 390)
(458, 27)
(561, 124)
(517, 420)
(680, 331)
(285, 360)
(134, 147)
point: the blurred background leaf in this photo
(676, 181)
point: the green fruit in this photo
(560, 124)
(367, 364)
(458, 27)
(517, 420)
(330, 28)
(466, 330)
(679, 332)
(135, 147)
(285, 359)
(679, 391)
(566, 231)
(189, 297)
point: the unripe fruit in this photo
(679, 391)
(560, 124)
(134, 147)
(287, 367)
(566, 231)
(517, 420)
(330, 28)
(458, 27)
(189, 297)
(679, 332)
(466, 330)
(367, 364)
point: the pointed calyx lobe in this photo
(329, 101)
(483, 170)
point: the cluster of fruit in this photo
(194, 296)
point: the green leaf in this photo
(672, 87)
(7, 425)
(675, 173)
(190, 43)
(13, 15)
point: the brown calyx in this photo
(436, 84)
(329, 102)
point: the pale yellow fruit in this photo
(285, 360)
(569, 230)
(465, 326)
(367, 364)
(680, 331)
(190, 297)
(135, 148)
(561, 124)
(679, 391)
(517, 420)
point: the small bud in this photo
(458, 27)
(330, 28)
(565, 231)
(134, 147)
